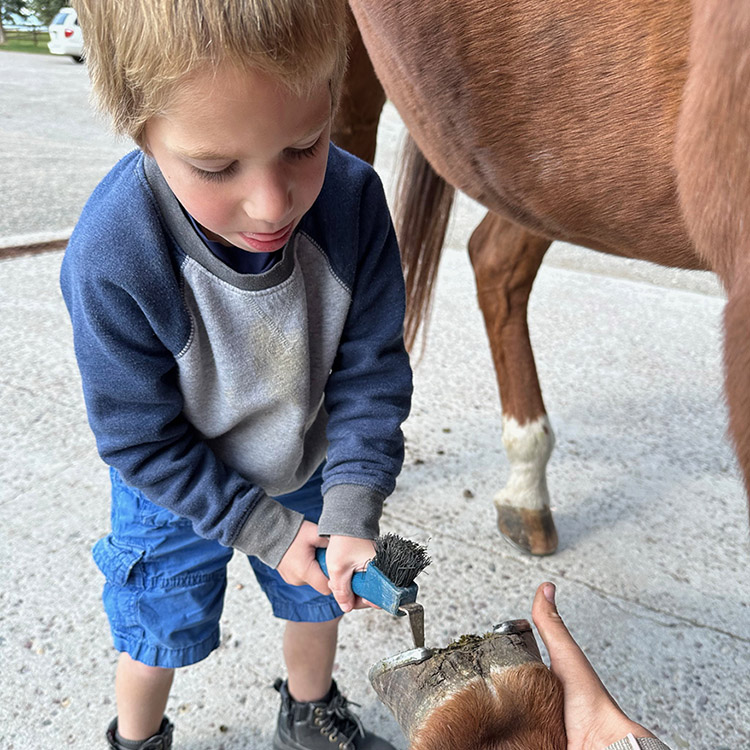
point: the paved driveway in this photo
(53, 149)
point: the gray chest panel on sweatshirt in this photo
(254, 371)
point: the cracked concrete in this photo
(653, 559)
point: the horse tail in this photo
(423, 206)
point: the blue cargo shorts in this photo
(164, 589)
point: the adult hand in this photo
(593, 720)
(345, 556)
(299, 566)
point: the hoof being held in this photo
(531, 531)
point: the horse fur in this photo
(622, 127)
(523, 712)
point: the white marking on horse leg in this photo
(529, 447)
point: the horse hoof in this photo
(531, 531)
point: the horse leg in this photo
(712, 148)
(355, 126)
(737, 367)
(506, 259)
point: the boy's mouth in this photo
(268, 242)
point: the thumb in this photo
(548, 621)
(567, 661)
(317, 579)
(341, 587)
(315, 576)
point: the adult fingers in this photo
(567, 660)
(590, 711)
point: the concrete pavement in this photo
(654, 554)
(54, 148)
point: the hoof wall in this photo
(531, 531)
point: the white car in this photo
(65, 36)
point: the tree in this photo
(6, 8)
(45, 10)
(11, 6)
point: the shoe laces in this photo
(336, 719)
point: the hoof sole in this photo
(531, 531)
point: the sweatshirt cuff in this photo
(637, 743)
(268, 531)
(351, 510)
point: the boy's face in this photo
(245, 157)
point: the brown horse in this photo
(622, 127)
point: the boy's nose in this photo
(268, 198)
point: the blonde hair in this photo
(138, 51)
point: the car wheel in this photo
(77, 58)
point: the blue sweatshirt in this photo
(213, 391)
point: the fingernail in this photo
(549, 592)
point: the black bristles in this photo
(399, 559)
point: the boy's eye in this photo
(224, 174)
(217, 176)
(301, 153)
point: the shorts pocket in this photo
(115, 560)
(184, 613)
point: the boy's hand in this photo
(299, 566)
(345, 556)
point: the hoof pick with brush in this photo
(388, 579)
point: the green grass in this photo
(26, 41)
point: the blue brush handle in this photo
(372, 585)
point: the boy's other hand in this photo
(345, 556)
(593, 719)
(299, 566)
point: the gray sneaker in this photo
(162, 740)
(320, 724)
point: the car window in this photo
(59, 19)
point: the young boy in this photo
(237, 305)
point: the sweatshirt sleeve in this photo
(128, 329)
(637, 743)
(368, 394)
